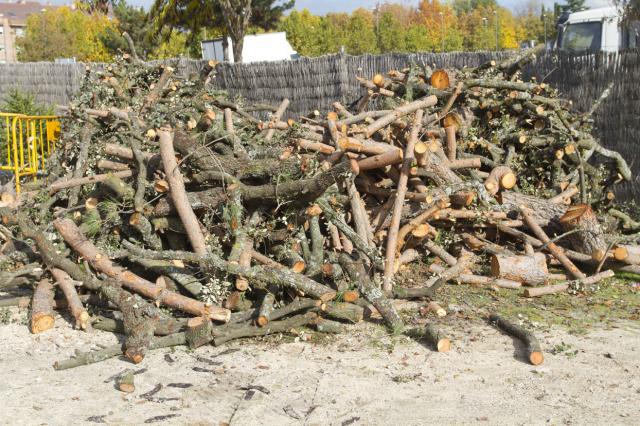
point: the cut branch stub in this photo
(440, 79)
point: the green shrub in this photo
(19, 102)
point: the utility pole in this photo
(495, 12)
(376, 10)
(442, 25)
(544, 18)
(485, 21)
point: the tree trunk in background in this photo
(225, 48)
(236, 15)
(237, 49)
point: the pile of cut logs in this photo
(175, 216)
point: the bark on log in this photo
(67, 286)
(401, 189)
(276, 117)
(42, 315)
(532, 347)
(344, 311)
(222, 335)
(590, 237)
(70, 183)
(266, 307)
(374, 295)
(528, 269)
(125, 382)
(71, 234)
(178, 192)
(399, 112)
(546, 214)
(437, 339)
(556, 251)
(627, 254)
(501, 177)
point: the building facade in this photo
(13, 20)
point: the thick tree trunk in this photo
(590, 238)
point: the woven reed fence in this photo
(50, 83)
(583, 79)
(314, 83)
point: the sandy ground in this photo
(349, 380)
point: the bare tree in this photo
(236, 15)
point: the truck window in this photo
(582, 36)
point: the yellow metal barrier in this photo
(26, 142)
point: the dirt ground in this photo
(363, 378)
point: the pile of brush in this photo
(175, 216)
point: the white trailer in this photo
(257, 48)
(598, 29)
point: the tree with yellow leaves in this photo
(65, 33)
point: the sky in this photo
(321, 7)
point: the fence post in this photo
(343, 73)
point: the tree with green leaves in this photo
(575, 5)
(306, 32)
(230, 18)
(390, 34)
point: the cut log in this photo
(396, 216)
(72, 235)
(501, 177)
(125, 382)
(556, 251)
(42, 315)
(528, 269)
(627, 254)
(532, 347)
(266, 307)
(589, 238)
(437, 339)
(389, 158)
(451, 143)
(74, 304)
(440, 79)
(178, 192)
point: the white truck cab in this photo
(597, 29)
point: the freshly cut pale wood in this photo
(440, 79)
(501, 177)
(627, 254)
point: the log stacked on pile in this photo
(166, 194)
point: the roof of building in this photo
(18, 11)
